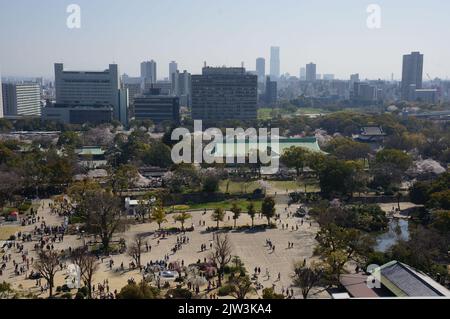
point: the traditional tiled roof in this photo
(405, 281)
(372, 131)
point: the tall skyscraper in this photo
(182, 87)
(224, 93)
(311, 74)
(274, 63)
(173, 68)
(354, 78)
(88, 96)
(261, 69)
(412, 75)
(302, 74)
(148, 72)
(271, 93)
(22, 99)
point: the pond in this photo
(398, 230)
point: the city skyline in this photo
(129, 33)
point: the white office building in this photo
(21, 99)
(88, 96)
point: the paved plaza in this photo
(249, 245)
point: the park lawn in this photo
(7, 231)
(312, 185)
(311, 110)
(238, 187)
(265, 113)
(226, 205)
(283, 185)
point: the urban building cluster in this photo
(79, 97)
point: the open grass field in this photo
(227, 186)
(292, 186)
(7, 231)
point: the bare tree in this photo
(87, 264)
(144, 208)
(104, 216)
(11, 183)
(221, 255)
(135, 249)
(47, 265)
(307, 278)
(90, 265)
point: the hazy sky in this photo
(331, 33)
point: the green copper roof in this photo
(94, 150)
(242, 147)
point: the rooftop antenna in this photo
(242, 64)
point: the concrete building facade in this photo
(149, 71)
(156, 107)
(95, 92)
(412, 75)
(261, 69)
(311, 72)
(274, 63)
(224, 93)
(21, 99)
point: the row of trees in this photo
(28, 169)
(267, 210)
(343, 177)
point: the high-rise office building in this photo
(165, 87)
(149, 72)
(157, 107)
(88, 96)
(182, 87)
(302, 74)
(311, 72)
(274, 63)
(261, 69)
(21, 99)
(328, 77)
(412, 75)
(271, 93)
(173, 68)
(363, 91)
(224, 93)
(354, 78)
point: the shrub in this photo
(75, 220)
(67, 295)
(225, 290)
(138, 291)
(65, 288)
(179, 293)
(268, 293)
(80, 295)
(24, 207)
